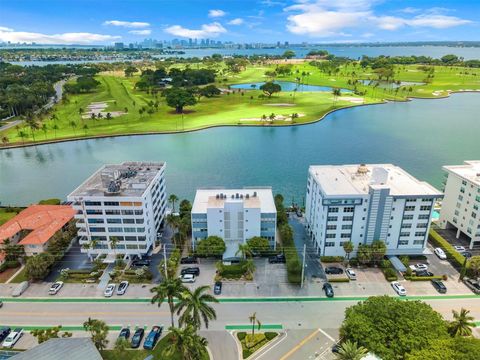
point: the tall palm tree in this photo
(33, 125)
(169, 289)
(22, 135)
(174, 222)
(186, 343)
(350, 350)
(195, 308)
(244, 250)
(348, 248)
(462, 323)
(5, 140)
(73, 124)
(113, 240)
(55, 128)
(254, 321)
(172, 199)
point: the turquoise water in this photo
(420, 136)
(287, 86)
(435, 215)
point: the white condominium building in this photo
(235, 215)
(363, 203)
(124, 202)
(461, 205)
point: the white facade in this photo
(460, 207)
(363, 203)
(235, 215)
(126, 202)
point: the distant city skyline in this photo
(248, 21)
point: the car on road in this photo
(217, 288)
(20, 288)
(277, 259)
(351, 274)
(189, 260)
(55, 288)
(12, 338)
(122, 287)
(4, 333)
(152, 337)
(109, 290)
(472, 284)
(333, 270)
(141, 263)
(399, 289)
(190, 270)
(459, 248)
(336, 348)
(124, 334)
(137, 338)
(439, 286)
(327, 287)
(188, 278)
(423, 273)
(419, 267)
(440, 253)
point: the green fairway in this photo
(239, 107)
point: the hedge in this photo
(453, 255)
(270, 335)
(424, 278)
(338, 280)
(294, 267)
(390, 274)
(331, 259)
(9, 265)
(241, 335)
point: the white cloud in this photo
(127, 24)
(426, 20)
(140, 32)
(207, 30)
(216, 13)
(409, 10)
(271, 3)
(7, 34)
(237, 21)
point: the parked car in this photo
(440, 253)
(189, 260)
(122, 287)
(12, 338)
(277, 259)
(152, 337)
(351, 274)
(333, 270)
(231, 260)
(419, 267)
(141, 262)
(137, 338)
(472, 284)
(327, 287)
(459, 248)
(4, 333)
(423, 273)
(190, 270)
(55, 288)
(467, 254)
(20, 288)
(217, 288)
(439, 286)
(124, 334)
(336, 348)
(399, 289)
(109, 290)
(188, 278)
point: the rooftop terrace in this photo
(250, 197)
(470, 170)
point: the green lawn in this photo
(142, 354)
(22, 276)
(240, 107)
(5, 216)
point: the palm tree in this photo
(336, 93)
(85, 128)
(44, 129)
(462, 323)
(22, 135)
(33, 125)
(113, 240)
(244, 250)
(5, 140)
(109, 116)
(348, 248)
(185, 342)
(350, 350)
(170, 288)
(194, 307)
(253, 320)
(172, 199)
(73, 124)
(55, 128)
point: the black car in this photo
(188, 260)
(336, 348)
(124, 334)
(217, 288)
(466, 254)
(439, 286)
(423, 273)
(333, 270)
(4, 333)
(137, 338)
(328, 290)
(141, 263)
(190, 270)
(277, 259)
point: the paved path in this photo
(221, 344)
(10, 125)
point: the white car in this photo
(419, 267)
(351, 274)
(440, 253)
(12, 338)
(459, 248)
(188, 278)
(399, 289)
(55, 288)
(109, 290)
(122, 288)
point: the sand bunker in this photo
(98, 108)
(353, 100)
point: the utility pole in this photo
(165, 261)
(303, 264)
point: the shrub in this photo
(49, 202)
(385, 264)
(270, 335)
(252, 341)
(405, 260)
(241, 335)
(390, 274)
(423, 278)
(338, 280)
(245, 352)
(455, 258)
(331, 259)
(353, 262)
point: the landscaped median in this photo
(251, 343)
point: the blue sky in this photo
(244, 21)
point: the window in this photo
(347, 218)
(345, 235)
(425, 208)
(331, 227)
(407, 217)
(114, 229)
(330, 236)
(423, 217)
(97, 229)
(141, 229)
(94, 212)
(95, 221)
(111, 203)
(402, 242)
(474, 215)
(411, 200)
(333, 210)
(129, 229)
(138, 212)
(130, 238)
(93, 203)
(460, 197)
(406, 226)
(404, 234)
(422, 226)
(139, 221)
(348, 209)
(332, 218)
(127, 212)
(112, 212)
(420, 233)
(346, 227)
(329, 244)
(409, 208)
(129, 221)
(417, 242)
(114, 221)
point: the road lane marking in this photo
(271, 347)
(299, 345)
(328, 336)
